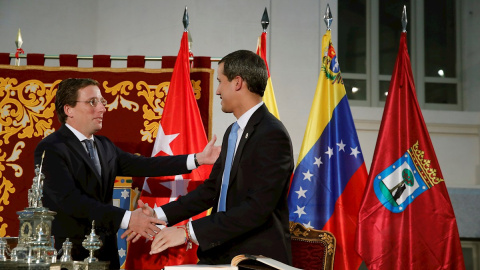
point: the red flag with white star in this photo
(180, 132)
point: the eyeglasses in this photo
(94, 101)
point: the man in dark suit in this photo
(79, 174)
(250, 213)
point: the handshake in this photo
(144, 221)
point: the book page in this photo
(259, 262)
(276, 264)
(201, 267)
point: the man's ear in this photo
(238, 83)
(68, 110)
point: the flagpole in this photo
(112, 57)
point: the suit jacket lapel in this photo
(73, 142)
(247, 133)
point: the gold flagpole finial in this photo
(18, 43)
(19, 40)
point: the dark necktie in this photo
(232, 142)
(93, 155)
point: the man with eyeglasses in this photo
(80, 171)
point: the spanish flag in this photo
(269, 95)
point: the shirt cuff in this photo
(160, 214)
(126, 220)
(191, 232)
(190, 163)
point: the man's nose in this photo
(102, 107)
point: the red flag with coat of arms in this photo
(180, 132)
(406, 219)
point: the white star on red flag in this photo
(178, 187)
(162, 143)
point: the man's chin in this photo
(97, 129)
(225, 110)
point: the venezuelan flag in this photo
(329, 180)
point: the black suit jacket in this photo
(78, 194)
(256, 217)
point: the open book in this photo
(256, 262)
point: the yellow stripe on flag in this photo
(269, 98)
(268, 95)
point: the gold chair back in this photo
(312, 249)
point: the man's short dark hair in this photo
(249, 66)
(67, 94)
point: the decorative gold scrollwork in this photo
(329, 240)
(26, 109)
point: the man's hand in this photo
(147, 210)
(210, 153)
(142, 223)
(167, 238)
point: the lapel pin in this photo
(246, 136)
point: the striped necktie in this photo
(93, 155)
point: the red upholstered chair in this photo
(312, 249)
